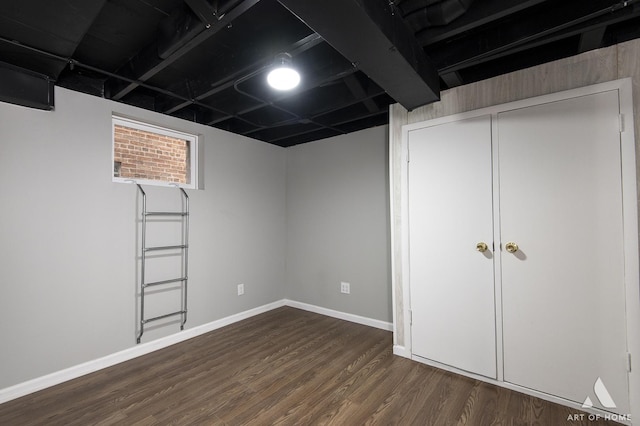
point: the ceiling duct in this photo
(432, 13)
(446, 11)
(26, 88)
(373, 37)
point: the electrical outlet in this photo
(240, 289)
(345, 288)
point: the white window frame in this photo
(191, 138)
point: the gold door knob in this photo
(511, 247)
(481, 247)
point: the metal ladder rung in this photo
(165, 248)
(166, 214)
(163, 316)
(174, 280)
(184, 254)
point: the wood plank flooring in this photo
(287, 367)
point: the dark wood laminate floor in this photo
(286, 366)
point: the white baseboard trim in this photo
(39, 383)
(340, 315)
(55, 378)
(401, 351)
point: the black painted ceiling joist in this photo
(480, 13)
(156, 50)
(53, 26)
(373, 36)
(204, 11)
(452, 79)
(542, 27)
(437, 14)
(215, 87)
(148, 63)
(359, 93)
(590, 40)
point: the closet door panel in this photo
(450, 211)
(563, 292)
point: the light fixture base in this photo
(283, 76)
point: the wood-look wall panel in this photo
(629, 66)
(397, 118)
(588, 68)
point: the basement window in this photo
(151, 155)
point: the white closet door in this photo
(563, 291)
(450, 211)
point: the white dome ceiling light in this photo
(283, 76)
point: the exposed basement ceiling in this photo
(206, 60)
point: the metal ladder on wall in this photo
(184, 247)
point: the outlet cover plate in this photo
(345, 288)
(240, 289)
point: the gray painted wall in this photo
(337, 223)
(68, 234)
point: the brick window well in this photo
(150, 154)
